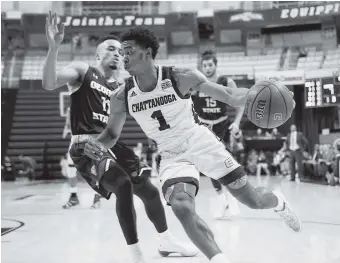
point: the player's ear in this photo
(97, 56)
(149, 52)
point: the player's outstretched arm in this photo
(72, 73)
(110, 135)
(193, 80)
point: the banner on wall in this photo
(302, 12)
(105, 21)
(35, 23)
(288, 77)
(262, 18)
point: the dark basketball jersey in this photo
(90, 104)
(208, 108)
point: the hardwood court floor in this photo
(35, 229)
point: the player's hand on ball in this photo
(54, 34)
(94, 149)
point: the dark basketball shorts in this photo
(222, 131)
(93, 170)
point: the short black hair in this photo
(209, 54)
(104, 38)
(143, 37)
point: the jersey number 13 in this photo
(158, 115)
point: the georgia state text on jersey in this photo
(208, 108)
(165, 115)
(90, 103)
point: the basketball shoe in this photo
(220, 205)
(96, 202)
(169, 244)
(73, 201)
(288, 215)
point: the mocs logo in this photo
(166, 84)
(277, 117)
(260, 107)
(246, 17)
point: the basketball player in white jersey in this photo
(72, 172)
(159, 99)
(213, 114)
(120, 171)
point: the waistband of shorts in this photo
(213, 122)
(79, 138)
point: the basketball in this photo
(269, 104)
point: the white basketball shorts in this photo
(202, 152)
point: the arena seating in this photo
(313, 60)
(332, 58)
(37, 121)
(34, 61)
(238, 63)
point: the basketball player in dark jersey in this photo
(159, 99)
(213, 114)
(72, 174)
(117, 171)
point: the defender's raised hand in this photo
(54, 34)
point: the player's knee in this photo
(182, 204)
(146, 191)
(115, 179)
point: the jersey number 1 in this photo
(157, 115)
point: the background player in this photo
(72, 171)
(117, 172)
(159, 99)
(213, 114)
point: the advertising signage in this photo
(97, 23)
(109, 21)
(283, 16)
(332, 8)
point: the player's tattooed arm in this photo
(117, 117)
(195, 80)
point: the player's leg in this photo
(180, 185)
(106, 176)
(227, 205)
(150, 197)
(72, 182)
(149, 194)
(292, 161)
(230, 174)
(240, 187)
(116, 180)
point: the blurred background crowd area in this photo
(295, 42)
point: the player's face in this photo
(293, 128)
(110, 54)
(135, 57)
(208, 68)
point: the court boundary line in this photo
(21, 224)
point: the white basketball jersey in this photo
(164, 114)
